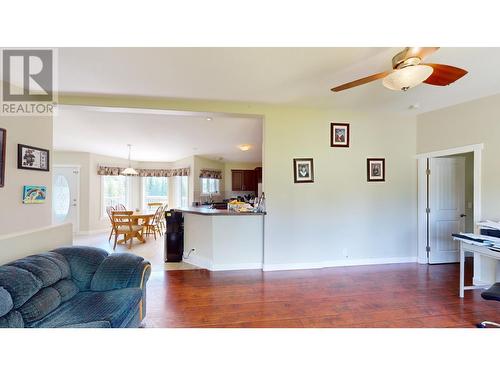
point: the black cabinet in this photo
(174, 236)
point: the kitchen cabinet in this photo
(243, 180)
(258, 174)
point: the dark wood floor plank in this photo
(396, 295)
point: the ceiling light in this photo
(209, 118)
(245, 147)
(408, 77)
(129, 171)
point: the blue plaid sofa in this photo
(74, 287)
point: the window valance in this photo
(211, 173)
(116, 171)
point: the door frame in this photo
(76, 230)
(422, 191)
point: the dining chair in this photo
(109, 210)
(153, 225)
(120, 207)
(123, 223)
(163, 222)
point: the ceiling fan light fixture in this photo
(407, 77)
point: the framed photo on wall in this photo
(3, 146)
(34, 194)
(339, 135)
(32, 158)
(375, 169)
(303, 170)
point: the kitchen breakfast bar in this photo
(223, 239)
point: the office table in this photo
(482, 251)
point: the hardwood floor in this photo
(399, 295)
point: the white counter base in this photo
(224, 243)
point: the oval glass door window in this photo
(61, 198)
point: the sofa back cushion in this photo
(6, 303)
(83, 262)
(32, 287)
(21, 284)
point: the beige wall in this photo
(341, 218)
(14, 215)
(466, 124)
(227, 173)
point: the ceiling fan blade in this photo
(360, 82)
(420, 52)
(443, 75)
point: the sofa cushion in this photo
(113, 306)
(115, 271)
(20, 284)
(43, 269)
(6, 303)
(67, 289)
(60, 261)
(83, 262)
(12, 320)
(41, 304)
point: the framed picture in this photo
(375, 169)
(33, 158)
(339, 135)
(303, 170)
(34, 194)
(3, 146)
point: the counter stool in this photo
(493, 293)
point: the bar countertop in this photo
(215, 212)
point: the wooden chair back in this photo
(121, 220)
(120, 207)
(110, 209)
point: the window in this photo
(184, 191)
(115, 190)
(209, 186)
(181, 191)
(154, 189)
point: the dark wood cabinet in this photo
(243, 180)
(237, 180)
(258, 174)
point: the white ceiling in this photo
(157, 136)
(273, 75)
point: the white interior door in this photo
(65, 199)
(447, 207)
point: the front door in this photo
(447, 206)
(65, 200)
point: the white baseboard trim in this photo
(338, 263)
(198, 261)
(209, 265)
(477, 282)
(90, 232)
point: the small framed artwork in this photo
(34, 194)
(339, 135)
(33, 158)
(375, 169)
(3, 146)
(303, 170)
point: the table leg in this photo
(462, 272)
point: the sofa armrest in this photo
(121, 270)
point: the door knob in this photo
(463, 215)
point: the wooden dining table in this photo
(139, 218)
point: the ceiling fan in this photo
(409, 71)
